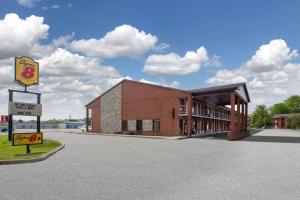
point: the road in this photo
(264, 166)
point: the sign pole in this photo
(10, 118)
(38, 118)
(27, 148)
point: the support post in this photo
(10, 117)
(189, 117)
(232, 111)
(27, 148)
(238, 114)
(246, 116)
(243, 115)
(38, 118)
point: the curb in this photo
(141, 136)
(146, 136)
(44, 157)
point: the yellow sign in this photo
(27, 138)
(26, 71)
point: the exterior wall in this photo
(280, 122)
(96, 122)
(148, 102)
(111, 111)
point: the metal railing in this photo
(211, 115)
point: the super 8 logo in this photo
(28, 71)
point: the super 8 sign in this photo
(26, 71)
(27, 139)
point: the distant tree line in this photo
(262, 115)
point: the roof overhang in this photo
(220, 95)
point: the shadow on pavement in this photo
(220, 136)
(279, 139)
(255, 131)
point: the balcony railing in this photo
(183, 110)
(211, 115)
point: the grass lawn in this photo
(9, 152)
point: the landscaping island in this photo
(14, 153)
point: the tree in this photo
(54, 121)
(260, 117)
(294, 121)
(279, 108)
(293, 103)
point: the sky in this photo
(85, 48)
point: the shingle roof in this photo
(285, 115)
(222, 88)
(216, 88)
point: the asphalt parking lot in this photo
(264, 166)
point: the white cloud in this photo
(27, 3)
(67, 80)
(161, 47)
(173, 64)
(270, 56)
(174, 84)
(227, 77)
(279, 91)
(124, 40)
(54, 6)
(271, 79)
(18, 36)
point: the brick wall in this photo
(96, 122)
(146, 102)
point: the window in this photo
(156, 125)
(182, 101)
(124, 125)
(139, 125)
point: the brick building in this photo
(133, 107)
(281, 120)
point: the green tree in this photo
(279, 108)
(294, 121)
(55, 121)
(293, 103)
(260, 117)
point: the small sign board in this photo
(26, 71)
(27, 139)
(4, 119)
(27, 109)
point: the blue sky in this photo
(231, 30)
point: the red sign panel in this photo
(4, 118)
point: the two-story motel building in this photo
(132, 107)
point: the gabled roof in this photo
(216, 89)
(222, 88)
(285, 115)
(137, 82)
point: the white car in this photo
(83, 128)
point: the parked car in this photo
(3, 128)
(83, 128)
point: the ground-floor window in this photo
(124, 125)
(156, 125)
(139, 125)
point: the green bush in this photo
(294, 122)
